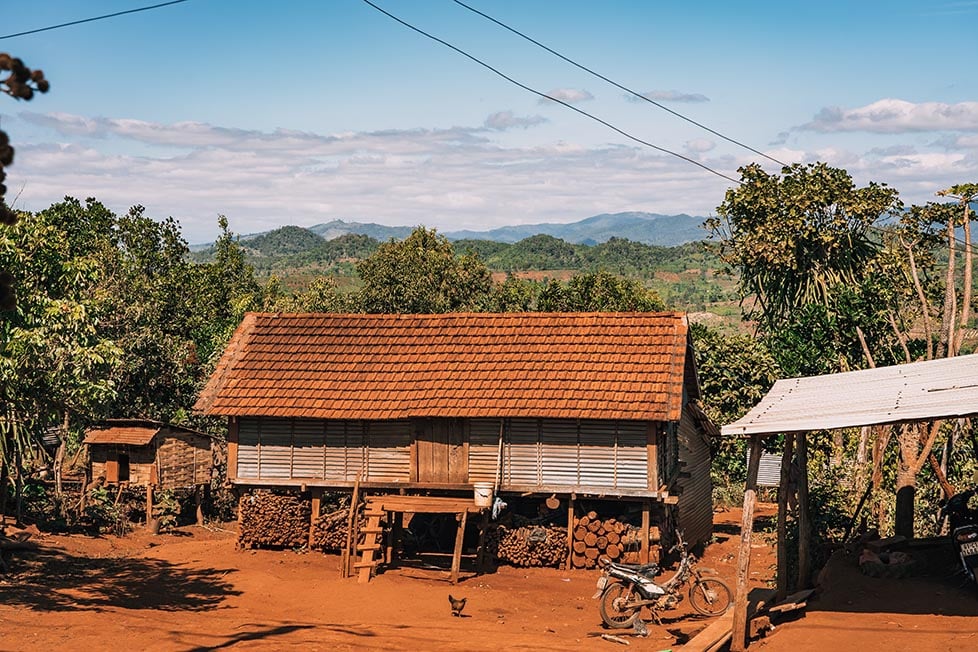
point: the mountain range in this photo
(648, 228)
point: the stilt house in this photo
(578, 405)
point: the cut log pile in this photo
(594, 538)
(329, 532)
(528, 545)
(274, 520)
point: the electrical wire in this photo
(89, 20)
(617, 85)
(548, 97)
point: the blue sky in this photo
(301, 112)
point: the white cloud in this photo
(892, 116)
(699, 146)
(568, 95)
(502, 120)
(668, 96)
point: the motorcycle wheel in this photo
(710, 596)
(613, 612)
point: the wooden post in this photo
(199, 500)
(317, 499)
(738, 642)
(643, 555)
(785, 487)
(570, 531)
(457, 555)
(804, 522)
(149, 504)
(483, 530)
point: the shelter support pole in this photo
(738, 642)
(149, 505)
(784, 584)
(804, 521)
(483, 531)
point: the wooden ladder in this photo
(371, 543)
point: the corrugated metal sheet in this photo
(335, 457)
(247, 448)
(597, 453)
(522, 452)
(389, 452)
(632, 461)
(558, 452)
(276, 448)
(483, 449)
(696, 499)
(768, 469)
(355, 459)
(309, 456)
(919, 391)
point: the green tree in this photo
(598, 292)
(422, 274)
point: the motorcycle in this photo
(963, 522)
(622, 601)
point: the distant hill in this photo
(649, 228)
(337, 228)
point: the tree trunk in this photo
(966, 291)
(945, 347)
(922, 297)
(906, 481)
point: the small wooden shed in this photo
(573, 404)
(144, 453)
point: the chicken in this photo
(457, 605)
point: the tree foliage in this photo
(422, 274)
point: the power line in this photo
(89, 20)
(548, 97)
(617, 85)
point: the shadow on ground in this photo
(53, 580)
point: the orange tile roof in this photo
(133, 435)
(556, 365)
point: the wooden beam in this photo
(804, 522)
(459, 536)
(232, 470)
(738, 642)
(783, 490)
(570, 531)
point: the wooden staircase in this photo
(371, 543)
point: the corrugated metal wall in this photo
(483, 449)
(768, 469)
(696, 500)
(333, 450)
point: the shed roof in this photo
(135, 432)
(918, 391)
(556, 365)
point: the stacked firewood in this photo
(594, 538)
(329, 532)
(528, 545)
(275, 520)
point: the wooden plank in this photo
(716, 632)
(652, 451)
(570, 532)
(738, 642)
(345, 557)
(457, 555)
(793, 602)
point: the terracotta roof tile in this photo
(560, 365)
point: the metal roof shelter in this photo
(919, 391)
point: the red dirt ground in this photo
(194, 591)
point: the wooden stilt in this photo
(738, 643)
(483, 530)
(317, 502)
(457, 555)
(784, 584)
(804, 522)
(570, 531)
(149, 504)
(199, 499)
(646, 523)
